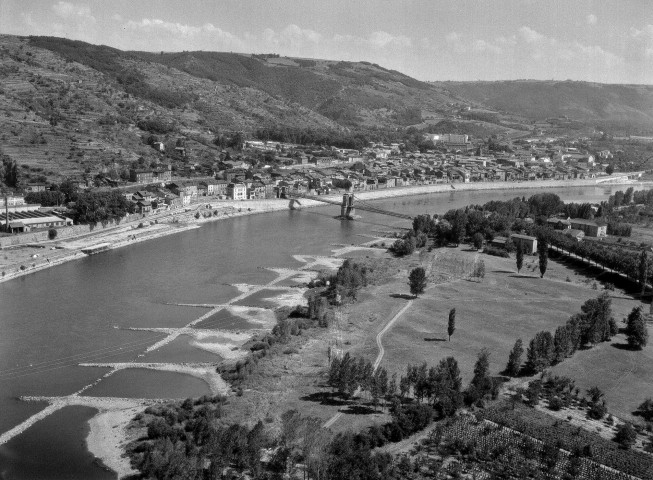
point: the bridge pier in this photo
(351, 211)
(347, 209)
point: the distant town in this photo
(256, 169)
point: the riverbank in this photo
(130, 234)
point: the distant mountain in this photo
(616, 106)
(69, 107)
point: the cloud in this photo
(163, 35)
(73, 12)
(292, 38)
(63, 19)
(486, 47)
(640, 44)
(530, 36)
(591, 19)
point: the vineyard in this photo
(482, 449)
(551, 431)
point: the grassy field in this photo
(491, 314)
(506, 306)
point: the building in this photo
(528, 243)
(558, 223)
(220, 188)
(174, 201)
(20, 222)
(573, 233)
(35, 187)
(141, 176)
(237, 191)
(590, 227)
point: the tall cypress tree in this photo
(515, 359)
(543, 251)
(520, 256)
(452, 322)
(642, 270)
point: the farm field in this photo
(506, 306)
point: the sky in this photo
(607, 41)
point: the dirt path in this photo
(379, 357)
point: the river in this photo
(52, 320)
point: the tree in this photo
(609, 169)
(636, 331)
(417, 281)
(645, 410)
(514, 359)
(519, 256)
(540, 352)
(626, 436)
(543, 252)
(481, 384)
(452, 323)
(478, 240)
(561, 344)
(458, 227)
(642, 270)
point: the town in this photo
(255, 169)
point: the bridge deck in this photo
(358, 206)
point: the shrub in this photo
(497, 252)
(52, 233)
(555, 403)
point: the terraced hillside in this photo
(72, 108)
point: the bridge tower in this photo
(347, 209)
(351, 211)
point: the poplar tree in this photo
(642, 270)
(561, 344)
(514, 359)
(452, 322)
(543, 251)
(520, 256)
(540, 352)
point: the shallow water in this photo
(54, 319)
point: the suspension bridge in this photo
(348, 206)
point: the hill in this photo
(72, 108)
(619, 107)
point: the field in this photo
(490, 314)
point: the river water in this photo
(52, 320)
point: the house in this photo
(558, 223)
(35, 187)
(256, 190)
(163, 175)
(188, 189)
(528, 243)
(499, 242)
(590, 227)
(220, 188)
(174, 201)
(237, 191)
(141, 176)
(143, 206)
(573, 233)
